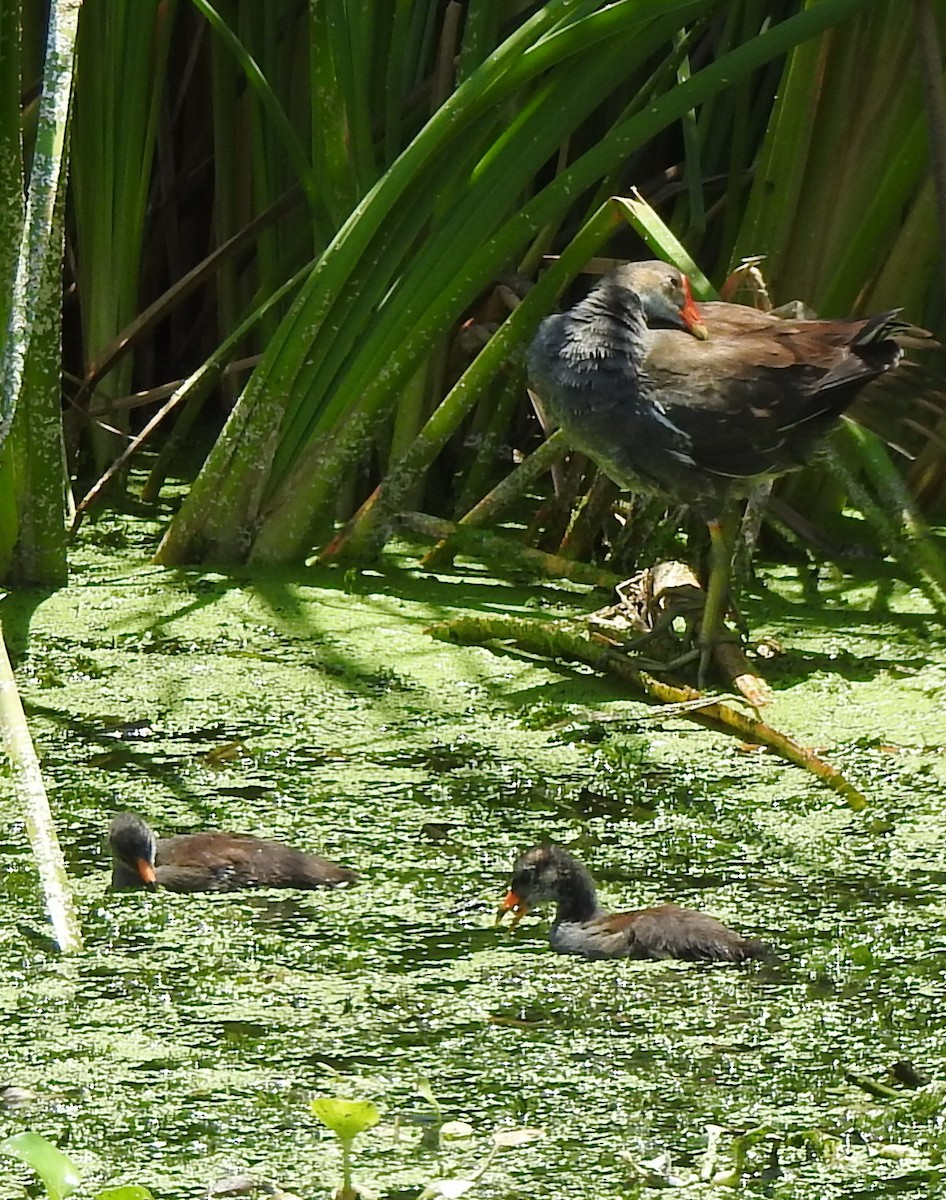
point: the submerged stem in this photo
(563, 642)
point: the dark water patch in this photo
(439, 758)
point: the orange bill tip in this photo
(691, 315)
(146, 871)
(519, 909)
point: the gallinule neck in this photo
(212, 862)
(581, 926)
(700, 401)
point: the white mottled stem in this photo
(31, 792)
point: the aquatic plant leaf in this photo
(58, 1172)
(128, 1191)
(517, 1137)
(456, 1129)
(345, 1118)
(451, 1189)
(427, 1092)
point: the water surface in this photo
(185, 1043)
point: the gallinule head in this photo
(212, 862)
(700, 401)
(581, 926)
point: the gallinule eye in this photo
(700, 402)
(212, 862)
(581, 926)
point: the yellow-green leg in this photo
(723, 531)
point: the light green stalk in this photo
(31, 793)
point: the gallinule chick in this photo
(581, 926)
(700, 401)
(212, 862)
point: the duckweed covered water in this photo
(184, 1045)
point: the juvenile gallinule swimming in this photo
(581, 926)
(212, 862)
(700, 401)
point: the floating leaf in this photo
(449, 1188)
(345, 1118)
(58, 1172)
(518, 1137)
(15, 1097)
(894, 1151)
(456, 1129)
(128, 1191)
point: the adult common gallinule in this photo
(700, 402)
(582, 927)
(212, 862)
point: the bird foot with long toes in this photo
(682, 660)
(661, 610)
